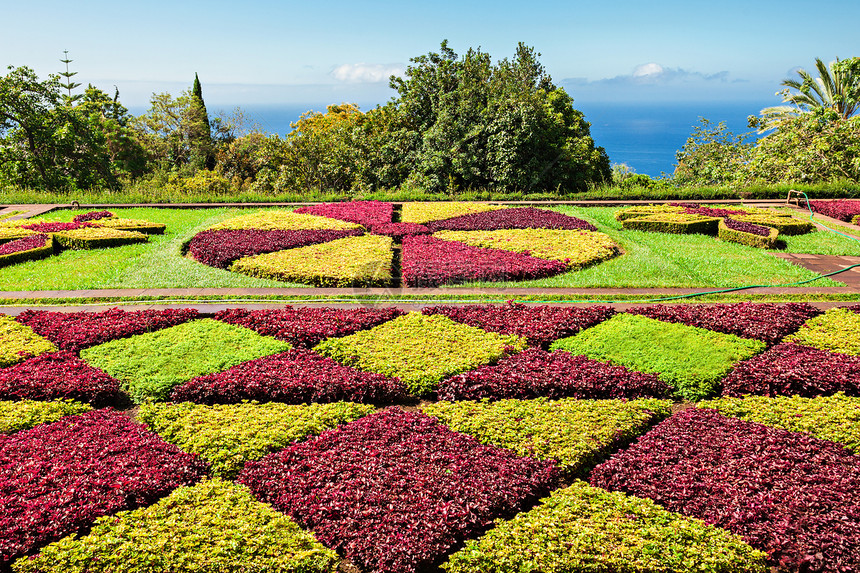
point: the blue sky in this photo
(294, 53)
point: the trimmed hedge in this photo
(424, 212)
(18, 342)
(837, 330)
(675, 223)
(783, 225)
(30, 248)
(364, 213)
(640, 211)
(228, 435)
(284, 221)
(97, 238)
(145, 227)
(727, 232)
(513, 218)
(212, 526)
(16, 416)
(583, 528)
(420, 350)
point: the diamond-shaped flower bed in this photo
(692, 360)
(284, 220)
(424, 212)
(515, 218)
(365, 213)
(18, 342)
(837, 330)
(420, 350)
(394, 491)
(16, 416)
(151, 364)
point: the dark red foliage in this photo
(60, 375)
(515, 218)
(541, 325)
(92, 216)
(854, 308)
(395, 491)
(429, 262)
(767, 322)
(49, 227)
(400, 230)
(221, 247)
(789, 494)
(537, 373)
(366, 213)
(25, 244)
(792, 369)
(745, 227)
(296, 377)
(842, 209)
(306, 327)
(77, 330)
(693, 209)
(57, 478)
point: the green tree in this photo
(713, 155)
(202, 145)
(69, 85)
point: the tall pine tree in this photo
(69, 85)
(202, 129)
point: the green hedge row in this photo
(30, 255)
(675, 223)
(138, 225)
(16, 416)
(749, 239)
(97, 238)
(785, 225)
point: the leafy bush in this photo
(228, 435)
(837, 330)
(784, 225)
(747, 234)
(394, 491)
(788, 494)
(284, 221)
(692, 360)
(583, 528)
(212, 526)
(18, 342)
(23, 415)
(422, 213)
(97, 238)
(514, 218)
(30, 248)
(842, 209)
(420, 350)
(366, 213)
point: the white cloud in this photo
(367, 73)
(651, 69)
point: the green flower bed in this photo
(97, 238)
(351, 261)
(676, 223)
(151, 364)
(284, 220)
(749, 239)
(16, 416)
(419, 212)
(835, 418)
(586, 529)
(228, 435)
(212, 526)
(420, 350)
(837, 330)
(690, 359)
(576, 433)
(17, 342)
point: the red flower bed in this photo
(842, 209)
(537, 373)
(429, 262)
(516, 218)
(25, 244)
(60, 375)
(77, 330)
(57, 478)
(400, 230)
(767, 322)
(789, 494)
(541, 325)
(221, 247)
(366, 213)
(92, 216)
(745, 227)
(694, 209)
(295, 377)
(306, 327)
(792, 369)
(49, 227)
(395, 491)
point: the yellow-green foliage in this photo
(420, 350)
(138, 225)
(17, 342)
(675, 223)
(214, 526)
(16, 416)
(575, 433)
(856, 220)
(785, 225)
(575, 247)
(228, 435)
(352, 261)
(645, 211)
(837, 330)
(587, 529)
(835, 418)
(284, 220)
(749, 239)
(11, 230)
(97, 238)
(419, 212)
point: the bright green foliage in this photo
(176, 131)
(575, 433)
(228, 435)
(420, 350)
(836, 89)
(586, 529)
(712, 155)
(284, 220)
(835, 418)
(151, 364)
(837, 330)
(24, 414)
(18, 342)
(692, 360)
(352, 261)
(212, 526)
(97, 238)
(424, 212)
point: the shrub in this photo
(16, 416)
(212, 526)
(420, 350)
(422, 213)
(692, 360)
(394, 491)
(228, 435)
(729, 232)
(30, 248)
(97, 238)
(92, 216)
(18, 342)
(139, 225)
(365, 213)
(676, 223)
(80, 468)
(837, 330)
(284, 221)
(573, 433)
(515, 218)
(788, 494)
(583, 528)
(842, 209)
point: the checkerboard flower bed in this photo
(791, 495)
(399, 230)
(284, 221)
(228, 435)
(212, 526)
(515, 218)
(583, 528)
(395, 491)
(365, 213)
(422, 213)
(29, 248)
(842, 209)
(295, 377)
(573, 433)
(57, 478)
(16, 416)
(837, 330)
(18, 342)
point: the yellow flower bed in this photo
(131, 225)
(11, 230)
(97, 238)
(285, 221)
(18, 342)
(425, 212)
